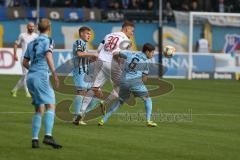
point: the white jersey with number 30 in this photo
(112, 42)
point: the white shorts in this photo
(107, 71)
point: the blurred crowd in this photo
(102, 4)
(168, 5)
(151, 5)
(230, 6)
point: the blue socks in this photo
(49, 121)
(113, 108)
(36, 125)
(77, 104)
(148, 107)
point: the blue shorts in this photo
(80, 81)
(40, 88)
(137, 89)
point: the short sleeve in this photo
(101, 45)
(49, 46)
(126, 44)
(74, 49)
(19, 39)
(124, 54)
(81, 46)
(146, 69)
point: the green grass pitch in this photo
(210, 130)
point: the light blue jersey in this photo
(131, 82)
(38, 76)
(80, 65)
(135, 66)
(36, 53)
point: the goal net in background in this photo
(222, 31)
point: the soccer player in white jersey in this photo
(106, 69)
(23, 39)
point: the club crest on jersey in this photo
(232, 43)
(80, 48)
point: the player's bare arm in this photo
(144, 77)
(86, 54)
(26, 63)
(52, 68)
(15, 46)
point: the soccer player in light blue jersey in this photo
(81, 61)
(134, 74)
(39, 54)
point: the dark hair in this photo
(84, 28)
(128, 24)
(148, 47)
(44, 25)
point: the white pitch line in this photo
(160, 114)
(16, 112)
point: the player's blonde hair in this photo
(84, 28)
(44, 25)
(128, 24)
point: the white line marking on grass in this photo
(16, 112)
(194, 114)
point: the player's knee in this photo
(146, 98)
(50, 106)
(39, 110)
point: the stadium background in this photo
(106, 16)
(198, 120)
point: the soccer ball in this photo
(169, 51)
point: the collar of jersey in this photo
(45, 35)
(82, 40)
